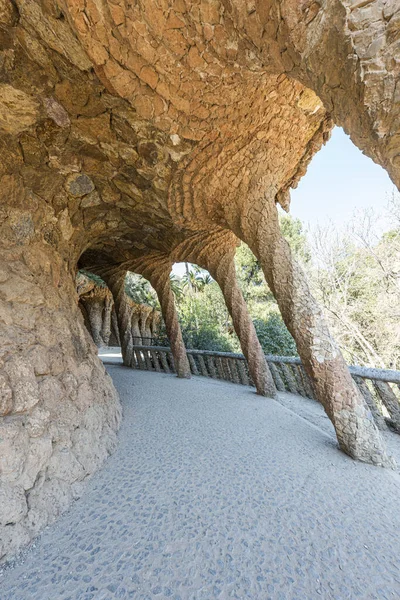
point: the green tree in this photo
(292, 229)
(140, 290)
(195, 278)
(176, 285)
(274, 337)
(356, 277)
(204, 319)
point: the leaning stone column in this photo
(114, 337)
(155, 323)
(106, 326)
(356, 431)
(144, 328)
(136, 335)
(148, 325)
(94, 306)
(224, 273)
(123, 309)
(159, 279)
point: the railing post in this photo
(242, 373)
(211, 367)
(155, 360)
(389, 399)
(192, 363)
(369, 399)
(202, 365)
(164, 362)
(234, 370)
(290, 380)
(280, 386)
(299, 381)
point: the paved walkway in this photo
(217, 493)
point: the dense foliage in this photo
(139, 289)
(356, 277)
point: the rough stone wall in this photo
(132, 134)
(59, 410)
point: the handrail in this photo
(377, 374)
(379, 387)
(364, 372)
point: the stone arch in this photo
(346, 53)
(156, 268)
(215, 253)
(95, 297)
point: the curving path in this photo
(215, 492)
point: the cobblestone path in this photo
(215, 492)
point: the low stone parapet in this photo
(380, 387)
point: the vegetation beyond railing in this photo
(379, 387)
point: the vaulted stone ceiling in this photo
(177, 132)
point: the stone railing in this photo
(149, 341)
(380, 388)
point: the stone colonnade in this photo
(221, 266)
(355, 428)
(223, 271)
(97, 307)
(140, 134)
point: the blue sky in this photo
(340, 180)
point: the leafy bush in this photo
(97, 280)
(208, 337)
(274, 337)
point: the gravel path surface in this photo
(215, 492)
